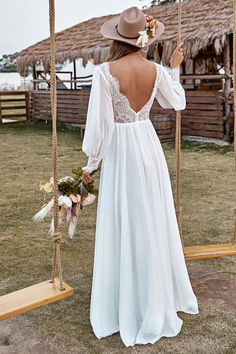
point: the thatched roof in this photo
(204, 22)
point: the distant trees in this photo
(160, 2)
(6, 65)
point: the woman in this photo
(140, 279)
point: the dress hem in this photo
(116, 330)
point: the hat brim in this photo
(108, 30)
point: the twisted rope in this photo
(178, 139)
(57, 235)
(234, 83)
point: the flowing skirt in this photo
(140, 279)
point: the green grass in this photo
(208, 190)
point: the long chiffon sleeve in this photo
(170, 93)
(100, 121)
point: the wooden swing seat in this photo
(209, 251)
(32, 297)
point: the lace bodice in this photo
(123, 113)
(108, 107)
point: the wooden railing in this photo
(203, 116)
(14, 106)
(71, 105)
(79, 81)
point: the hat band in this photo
(124, 36)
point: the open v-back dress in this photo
(140, 279)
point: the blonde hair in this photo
(119, 49)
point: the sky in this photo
(25, 22)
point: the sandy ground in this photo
(16, 337)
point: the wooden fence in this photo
(71, 105)
(14, 106)
(203, 116)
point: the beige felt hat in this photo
(126, 26)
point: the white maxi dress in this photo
(140, 279)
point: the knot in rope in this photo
(57, 237)
(178, 211)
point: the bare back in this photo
(136, 77)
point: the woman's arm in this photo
(170, 93)
(99, 123)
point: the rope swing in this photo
(53, 91)
(234, 81)
(51, 290)
(212, 250)
(55, 289)
(178, 139)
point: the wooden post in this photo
(71, 78)
(74, 65)
(183, 71)
(27, 105)
(194, 72)
(34, 76)
(156, 55)
(227, 88)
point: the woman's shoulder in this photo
(105, 64)
(103, 68)
(100, 68)
(101, 72)
(101, 65)
(159, 66)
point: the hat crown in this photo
(131, 21)
(127, 26)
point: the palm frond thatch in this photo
(204, 23)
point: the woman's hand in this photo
(177, 56)
(86, 177)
